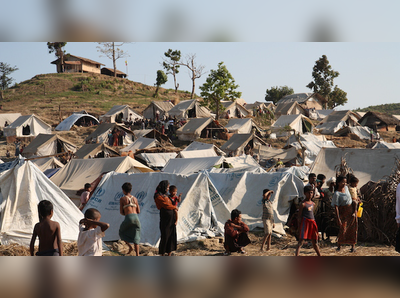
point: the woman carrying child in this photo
(168, 242)
(345, 214)
(129, 230)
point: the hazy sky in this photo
(369, 72)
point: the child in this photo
(308, 227)
(353, 183)
(85, 196)
(268, 218)
(48, 231)
(91, 230)
(173, 190)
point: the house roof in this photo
(336, 116)
(80, 58)
(93, 149)
(112, 70)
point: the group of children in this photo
(91, 229)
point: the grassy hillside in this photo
(47, 94)
(391, 108)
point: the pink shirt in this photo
(85, 197)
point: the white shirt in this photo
(89, 241)
(398, 203)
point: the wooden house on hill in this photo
(379, 121)
(74, 63)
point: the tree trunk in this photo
(217, 111)
(193, 86)
(1, 95)
(113, 55)
(176, 86)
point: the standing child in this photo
(48, 231)
(308, 227)
(267, 218)
(85, 196)
(91, 230)
(173, 190)
(353, 183)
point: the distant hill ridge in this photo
(52, 95)
(390, 108)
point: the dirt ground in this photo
(284, 246)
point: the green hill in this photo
(391, 109)
(53, 95)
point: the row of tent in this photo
(208, 197)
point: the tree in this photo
(219, 85)
(113, 52)
(276, 93)
(171, 64)
(160, 80)
(5, 71)
(322, 84)
(57, 49)
(195, 71)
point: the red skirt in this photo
(308, 229)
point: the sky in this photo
(369, 71)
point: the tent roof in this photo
(361, 131)
(289, 120)
(44, 139)
(385, 118)
(341, 116)
(383, 144)
(141, 143)
(284, 107)
(195, 124)
(92, 149)
(67, 123)
(367, 164)
(185, 105)
(187, 166)
(47, 163)
(238, 140)
(298, 97)
(203, 146)
(119, 108)
(236, 124)
(77, 172)
(158, 160)
(105, 127)
(266, 153)
(329, 128)
(22, 119)
(163, 105)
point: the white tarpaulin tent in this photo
(156, 160)
(299, 123)
(119, 110)
(77, 172)
(242, 161)
(266, 153)
(197, 153)
(21, 189)
(141, 143)
(383, 144)
(9, 118)
(362, 132)
(162, 107)
(206, 202)
(312, 143)
(95, 151)
(27, 126)
(193, 128)
(329, 128)
(239, 125)
(47, 163)
(189, 109)
(233, 109)
(187, 166)
(67, 123)
(237, 143)
(48, 144)
(203, 146)
(367, 164)
(100, 135)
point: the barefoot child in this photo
(267, 218)
(173, 190)
(48, 231)
(308, 228)
(91, 230)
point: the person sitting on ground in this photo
(91, 230)
(267, 218)
(85, 196)
(173, 190)
(236, 234)
(308, 229)
(48, 231)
